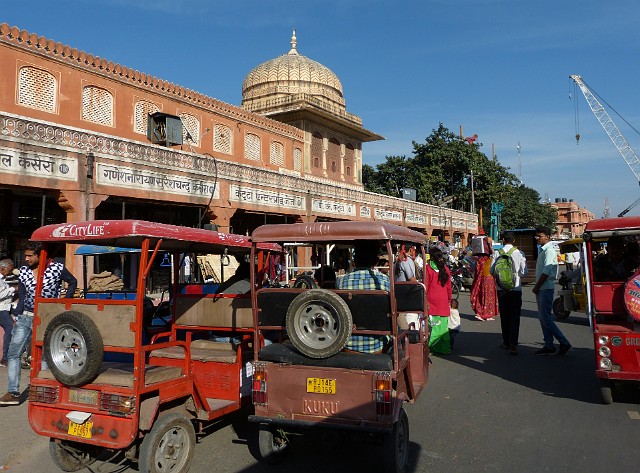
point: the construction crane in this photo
(614, 133)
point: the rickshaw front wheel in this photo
(606, 388)
(558, 309)
(273, 445)
(72, 456)
(396, 446)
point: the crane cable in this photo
(612, 109)
(576, 114)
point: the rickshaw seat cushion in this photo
(409, 296)
(121, 374)
(286, 353)
(370, 310)
(201, 350)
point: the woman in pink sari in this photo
(484, 294)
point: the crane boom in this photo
(610, 127)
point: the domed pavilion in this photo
(299, 91)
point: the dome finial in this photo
(294, 43)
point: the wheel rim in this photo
(173, 450)
(316, 325)
(278, 443)
(68, 350)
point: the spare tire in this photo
(73, 348)
(319, 323)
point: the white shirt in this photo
(519, 264)
(6, 294)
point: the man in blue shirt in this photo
(546, 271)
(364, 277)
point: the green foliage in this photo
(440, 172)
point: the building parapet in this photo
(64, 53)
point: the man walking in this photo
(6, 297)
(546, 271)
(510, 301)
(54, 274)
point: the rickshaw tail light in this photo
(604, 351)
(382, 393)
(117, 404)
(259, 389)
(605, 364)
(46, 394)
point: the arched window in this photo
(297, 159)
(190, 129)
(37, 89)
(97, 105)
(252, 147)
(316, 149)
(141, 112)
(222, 139)
(276, 154)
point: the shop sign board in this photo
(38, 165)
(333, 207)
(250, 195)
(120, 176)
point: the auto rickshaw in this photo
(304, 381)
(612, 281)
(572, 296)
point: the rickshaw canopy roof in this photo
(605, 227)
(335, 231)
(131, 233)
(89, 250)
(570, 245)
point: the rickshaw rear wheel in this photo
(558, 309)
(168, 446)
(273, 445)
(396, 446)
(72, 456)
(606, 390)
(319, 323)
(73, 348)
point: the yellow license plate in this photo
(80, 430)
(321, 385)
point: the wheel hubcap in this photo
(316, 325)
(68, 349)
(172, 450)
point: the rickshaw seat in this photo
(287, 353)
(201, 350)
(213, 310)
(121, 374)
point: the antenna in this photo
(519, 162)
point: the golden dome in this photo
(288, 75)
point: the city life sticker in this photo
(632, 296)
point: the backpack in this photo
(503, 270)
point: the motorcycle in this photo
(461, 278)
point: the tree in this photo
(440, 172)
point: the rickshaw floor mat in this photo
(121, 374)
(287, 353)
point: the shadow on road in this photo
(570, 377)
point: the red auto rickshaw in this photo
(612, 261)
(112, 381)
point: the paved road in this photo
(484, 410)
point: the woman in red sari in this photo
(484, 294)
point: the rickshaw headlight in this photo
(605, 363)
(603, 339)
(604, 351)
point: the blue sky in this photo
(498, 68)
